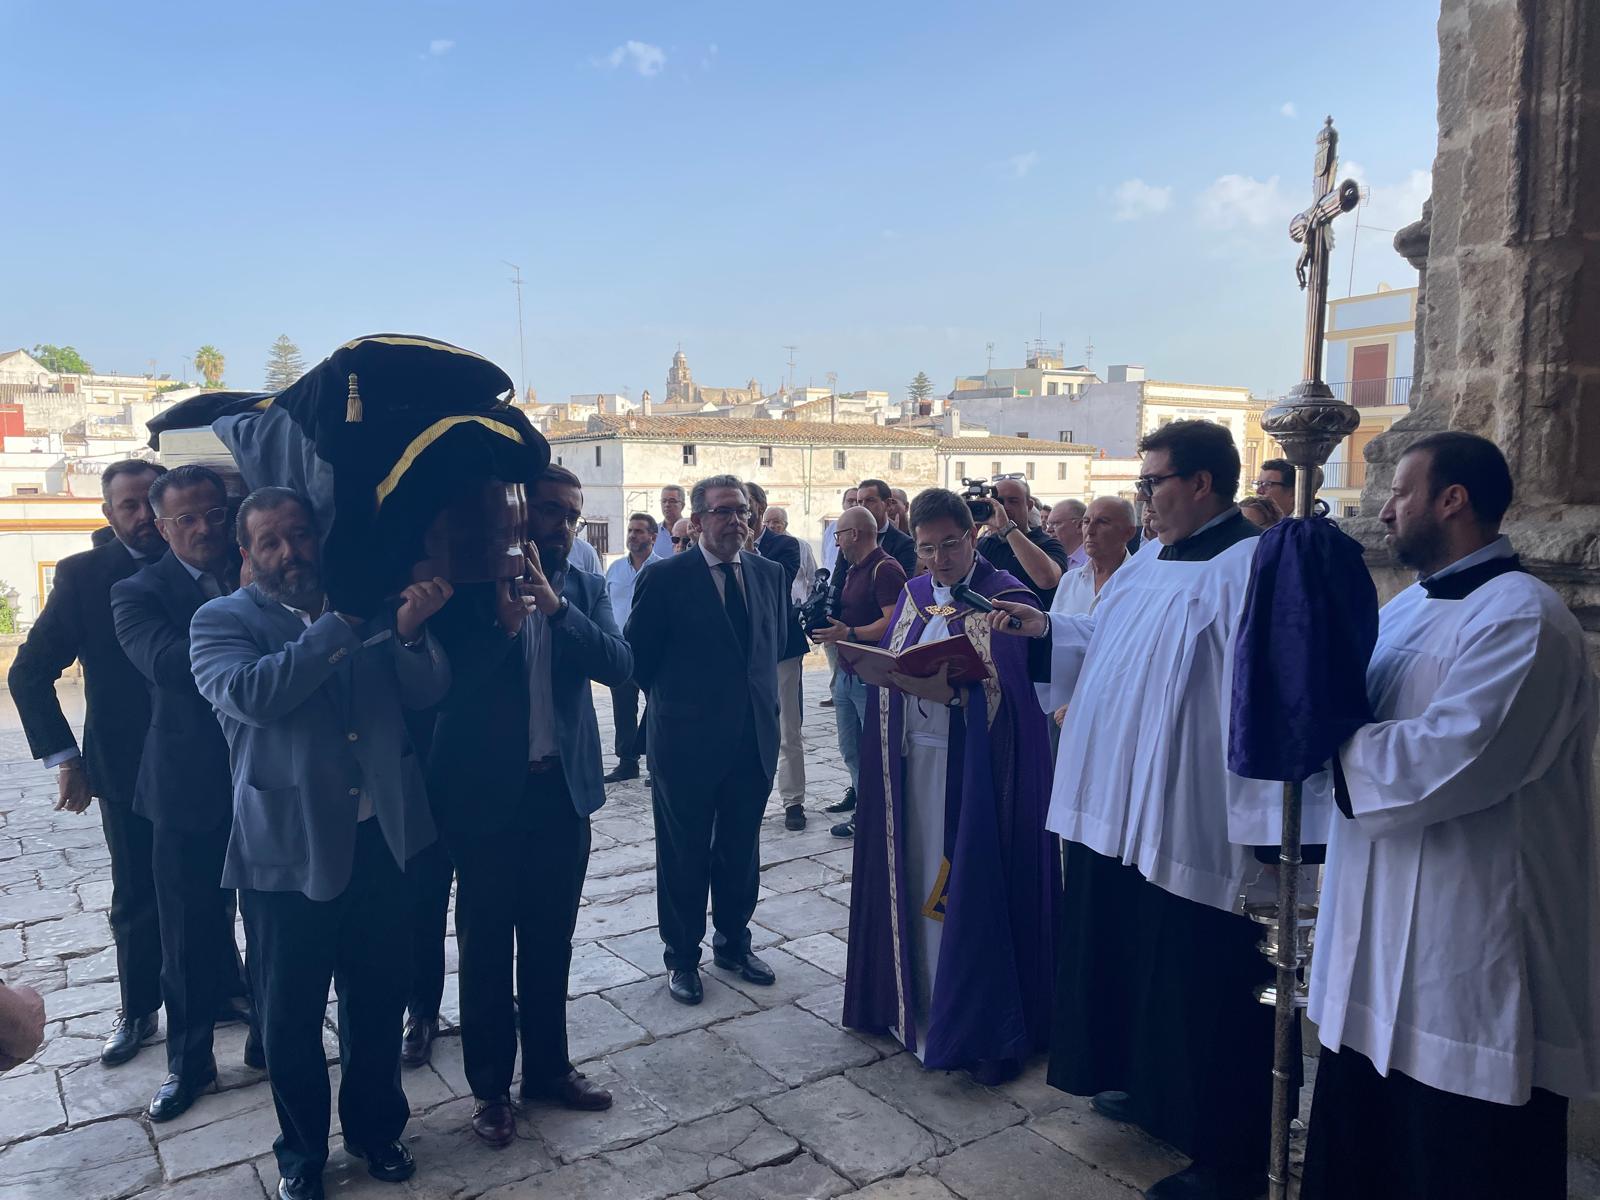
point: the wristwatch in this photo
(954, 701)
(1011, 527)
(850, 634)
(561, 610)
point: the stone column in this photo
(1508, 326)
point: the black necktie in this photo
(738, 614)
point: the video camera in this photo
(979, 495)
(817, 607)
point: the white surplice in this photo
(1459, 934)
(1142, 771)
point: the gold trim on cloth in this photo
(427, 438)
(897, 641)
(933, 906)
(939, 610)
(980, 634)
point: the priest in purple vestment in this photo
(954, 875)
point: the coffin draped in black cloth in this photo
(1300, 656)
(404, 424)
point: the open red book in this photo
(873, 665)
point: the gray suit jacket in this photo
(313, 719)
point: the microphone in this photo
(962, 592)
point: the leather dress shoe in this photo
(300, 1187)
(685, 987)
(127, 1035)
(751, 968)
(844, 829)
(416, 1046)
(848, 804)
(623, 770)
(1208, 1183)
(232, 1010)
(1115, 1105)
(175, 1096)
(794, 817)
(572, 1090)
(495, 1122)
(388, 1161)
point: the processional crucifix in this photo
(1308, 424)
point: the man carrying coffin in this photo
(954, 875)
(1454, 984)
(1154, 1013)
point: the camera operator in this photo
(1010, 543)
(866, 602)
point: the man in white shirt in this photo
(672, 499)
(1064, 522)
(584, 556)
(620, 576)
(1456, 980)
(1105, 528)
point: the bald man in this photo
(682, 535)
(1064, 522)
(866, 602)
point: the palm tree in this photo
(209, 362)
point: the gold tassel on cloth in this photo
(352, 405)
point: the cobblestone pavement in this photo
(757, 1094)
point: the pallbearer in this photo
(1454, 983)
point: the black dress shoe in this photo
(751, 968)
(127, 1035)
(794, 817)
(495, 1122)
(844, 829)
(685, 987)
(389, 1161)
(416, 1046)
(572, 1090)
(175, 1096)
(300, 1187)
(848, 804)
(232, 1010)
(255, 1055)
(1208, 1183)
(1115, 1105)
(623, 770)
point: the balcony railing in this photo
(1374, 393)
(1344, 475)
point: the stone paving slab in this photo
(30, 1105)
(104, 1161)
(801, 1178)
(650, 1004)
(694, 1075)
(793, 1045)
(949, 1103)
(850, 1129)
(1020, 1165)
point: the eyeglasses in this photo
(216, 518)
(726, 513)
(552, 511)
(948, 546)
(1263, 484)
(1146, 485)
(839, 533)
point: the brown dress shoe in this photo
(572, 1090)
(416, 1046)
(495, 1121)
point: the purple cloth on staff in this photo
(1300, 656)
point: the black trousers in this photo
(707, 839)
(135, 924)
(200, 965)
(1391, 1138)
(358, 941)
(625, 713)
(517, 895)
(428, 876)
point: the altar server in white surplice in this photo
(1454, 982)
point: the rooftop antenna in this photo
(988, 348)
(791, 350)
(1088, 354)
(522, 349)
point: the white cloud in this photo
(1021, 164)
(440, 47)
(1288, 109)
(1135, 198)
(644, 58)
(1390, 206)
(1244, 202)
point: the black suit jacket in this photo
(478, 764)
(686, 659)
(784, 549)
(184, 780)
(76, 624)
(900, 547)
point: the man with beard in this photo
(517, 772)
(328, 806)
(1455, 986)
(76, 624)
(185, 789)
(671, 513)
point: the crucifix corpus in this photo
(1308, 424)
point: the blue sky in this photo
(887, 186)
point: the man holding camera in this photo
(1010, 543)
(867, 598)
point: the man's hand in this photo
(1035, 623)
(538, 585)
(831, 634)
(21, 1024)
(73, 782)
(998, 519)
(936, 688)
(513, 601)
(1061, 716)
(419, 602)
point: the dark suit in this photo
(518, 831)
(186, 791)
(76, 624)
(712, 739)
(900, 547)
